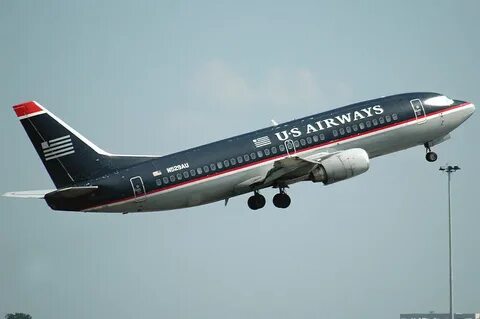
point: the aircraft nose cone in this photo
(470, 108)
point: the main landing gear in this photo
(256, 201)
(430, 156)
(280, 200)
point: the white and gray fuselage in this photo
(421, 127)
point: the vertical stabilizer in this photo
(68, 156)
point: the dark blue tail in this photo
(68, 156)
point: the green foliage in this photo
(17, 315)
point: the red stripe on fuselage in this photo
(276, 157)
(26, 108)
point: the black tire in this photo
(252, 203)
(281, 200)
(431, 156)
(260, 200)
(256, 201)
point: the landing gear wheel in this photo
(431, 156)
(256, 201)
(281, 200)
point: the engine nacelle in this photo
(341, 166)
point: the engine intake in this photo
(341, 166)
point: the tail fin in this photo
(68, 156)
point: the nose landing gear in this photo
(430, 156)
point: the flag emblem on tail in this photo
(58, 147)
(262, 141)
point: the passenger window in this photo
(274, 150)
(266, 151)
(303, 142)
(159, 182)
(233, 161)
(381, 120)
(226, 163)
(259, 153)
(253, 156)
(179, 176)
(296, 143)
(213, 167)
(335, 133)
(192, 172)
(355, 127)
(199, 170)
(375, 122)
(206, 169)
(361, 125)
(342, 131)
(240, 160)
(309, 140)
(219, 165)
(281, 147)
(246, 157)
(185, 174)
(389, 119)
(368, 123)
(315, 138)
(348, 129)
(172, 178)
(165, 180)
(322, 137)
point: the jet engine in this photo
(341, 166)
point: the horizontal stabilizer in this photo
(72, 192)
(29, 194)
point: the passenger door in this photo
(138, 189)
(290, 147)
(419, 111)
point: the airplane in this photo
(327, 147)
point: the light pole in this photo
(449, 169)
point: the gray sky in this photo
(157, 77)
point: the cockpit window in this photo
(441, 100)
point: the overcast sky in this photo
(161, 76)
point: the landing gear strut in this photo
(430, 156)
(256, 201)
(281, 200)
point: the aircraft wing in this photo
(291, 169)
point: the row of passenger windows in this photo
(273, 150)
(219, 165)
(368, 124)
